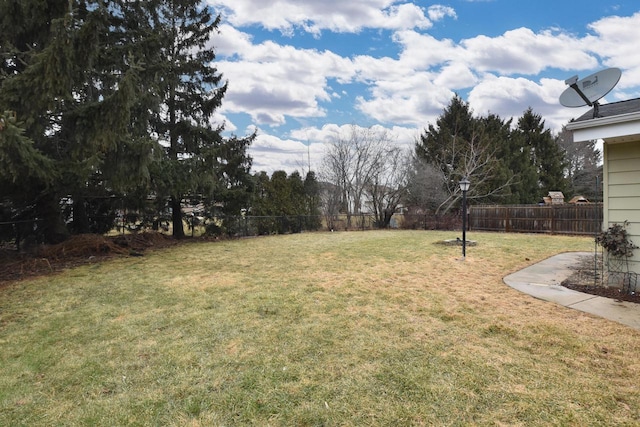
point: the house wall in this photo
(622, 191)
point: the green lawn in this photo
(359, 328)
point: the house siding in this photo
(622, 192)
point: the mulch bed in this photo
(584, 279)
(77, 250)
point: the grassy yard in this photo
(361, 328)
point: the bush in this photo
(616, 241)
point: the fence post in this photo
(507, 221)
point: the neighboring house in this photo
(618, 125)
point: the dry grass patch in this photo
(375, 328)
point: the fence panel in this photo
(553, 219)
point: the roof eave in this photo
(604, 121)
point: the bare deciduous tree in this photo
(461, 145)
(475, 159)
(389, 185)
(365, 167)
(424, 185)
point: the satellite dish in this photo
(589, 90)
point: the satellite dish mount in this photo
(589, 90)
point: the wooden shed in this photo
(554, 198)
(618, 126)
(576, 200)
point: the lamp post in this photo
(464, 186)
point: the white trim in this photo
(608, 129)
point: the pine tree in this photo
(583, 166)
(19, 160)
(513, 165)
(312, 201)
(280, 194)
(260, 202)
(118, 96)
(443, 143)
(70, 78)
(230, 188)
(189, 89)
(461, 145)
(38, 50)
(545, 154)
(297, 194)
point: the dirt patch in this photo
(77, 250)
(587, 278)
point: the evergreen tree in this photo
(460, 145)
(292, 203)
(583, 166)
(70, 94)
(297, 194)
(20, 162)
(25, 30)
(312, 201)
(196, 159)
(498, 134)
(108, 155)
(280, 194)
(260, 202)
(545, 155)
(231, 188)
(443, 144)
(513, 164)
(116, 98)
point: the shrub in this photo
(616, 241)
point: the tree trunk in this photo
(388, 213)
(53, 227)
(176, 217)
(80, 218)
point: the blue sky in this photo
(303, 71)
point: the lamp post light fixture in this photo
(464, 186)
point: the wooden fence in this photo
(582, 219)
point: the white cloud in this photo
(510, 97)
(438, 12)
(524, 52)
(271, 153)
(423, 51)
(328, 133)
(271, 81)
(230, 41)
(314, 16)
(615, 40)
(413, 100)
(307, 147)
(219, 119)
(455, 76)
(276, 83)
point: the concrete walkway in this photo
(542, 280)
